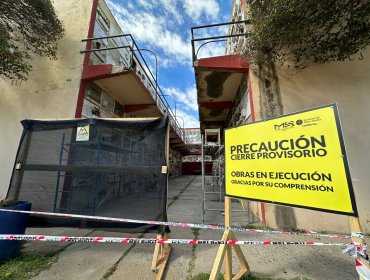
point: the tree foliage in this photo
(26, 27)
(295, 32)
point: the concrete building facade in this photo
(114, 83)
(256, 97)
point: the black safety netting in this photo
(100, 167)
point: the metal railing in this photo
(161, 103)
(213, 39)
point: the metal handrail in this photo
(134, 48)
(193, 40)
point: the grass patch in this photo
(26, 266)
(261, 227)
(205, 276)
(191, 265)
(295, 230)
(288, 229)
(195, 231)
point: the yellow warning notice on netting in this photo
(83, 133)
(296, 160)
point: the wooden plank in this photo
(356, 227)
(227, 211)
(165, 252)
(164, 249)
(241, 257)
(228, 256)
(228, 263)
(227, 249)
(219, 258)
(240, 273)
(156, 254)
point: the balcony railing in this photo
(129, 56)
(198, 42)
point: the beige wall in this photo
(347, 84)
(52, 88)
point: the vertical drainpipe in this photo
(250, 93)
(86, 62)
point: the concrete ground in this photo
(133, 261)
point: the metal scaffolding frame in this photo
(213, 185)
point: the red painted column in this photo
(86, 62)
(251, 97)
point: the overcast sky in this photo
(164, 27)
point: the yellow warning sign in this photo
(297, 160)
(83, 133)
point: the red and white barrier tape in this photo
(10, 237)
(353, 249)
(362, 270)
(358, 235)
(182, 225)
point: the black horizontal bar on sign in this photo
(92, 168)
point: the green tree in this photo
(26, 27)
(296, 32)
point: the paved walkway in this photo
(132, 261)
